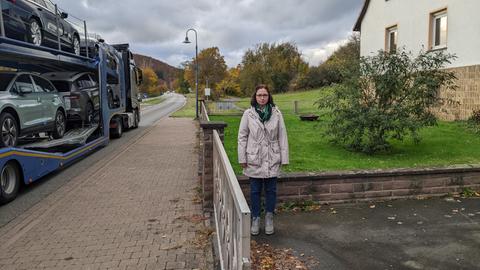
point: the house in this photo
(449, 25)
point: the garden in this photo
(447, 143)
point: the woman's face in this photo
(262, 96)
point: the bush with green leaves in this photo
(386, 96)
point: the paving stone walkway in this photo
(135, 211)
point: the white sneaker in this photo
(269, 223)
(255, 229)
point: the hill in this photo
(164, 71)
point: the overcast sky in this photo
(157, 27)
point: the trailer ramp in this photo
(77, 136)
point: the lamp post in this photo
(196, 67)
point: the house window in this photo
(439, 28)
(391, 39)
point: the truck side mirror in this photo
(63, 15)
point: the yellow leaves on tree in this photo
(150, 84)
(230, 86)
(212, 70)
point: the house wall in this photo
(412, 18)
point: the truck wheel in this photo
(9, 130)
(9, 182)
(117, 132)
(60, 125)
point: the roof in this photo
(358, 24)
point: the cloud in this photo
(157, 28)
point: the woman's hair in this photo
(253, 101)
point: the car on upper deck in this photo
(35, 21)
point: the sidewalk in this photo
(137, 211)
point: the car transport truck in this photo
(37, 155)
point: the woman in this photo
(262, 149)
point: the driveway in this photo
(440, 233)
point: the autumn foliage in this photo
(281, 66)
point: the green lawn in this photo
(188, 111)
(154, 101)
(448, 143)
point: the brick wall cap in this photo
(373, 173)
(212, 124)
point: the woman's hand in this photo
(244, 165)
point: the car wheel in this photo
(9, 182)
(76, 45)
(60, 124)
(35, 32)
(9, 133)
(89, 113)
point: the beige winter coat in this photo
(262, 146)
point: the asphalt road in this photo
(34, 193)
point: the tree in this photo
(150, 82)
(212, 69)
(180, 84)
(330, 71)
(272, 64)
(230, 85)
(387, 96)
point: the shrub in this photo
(386, 96)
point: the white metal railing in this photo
(231, 211)
(204, 112)
(232, 214)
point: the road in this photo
(34, 193)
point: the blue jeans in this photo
(256, 186)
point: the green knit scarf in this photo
(264, 113)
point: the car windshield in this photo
(62, 86)
(5, 81)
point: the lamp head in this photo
(186, 40)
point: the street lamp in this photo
(196, 67)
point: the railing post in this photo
(2, 27)
(86, 38)
(58, 28)
(207, 168)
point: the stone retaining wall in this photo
(353, 186)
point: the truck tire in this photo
(117, 132)
(9, 182)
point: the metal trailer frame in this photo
(35, 164)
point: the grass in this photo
(154, 101)
(188, 111)
(448, 143)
